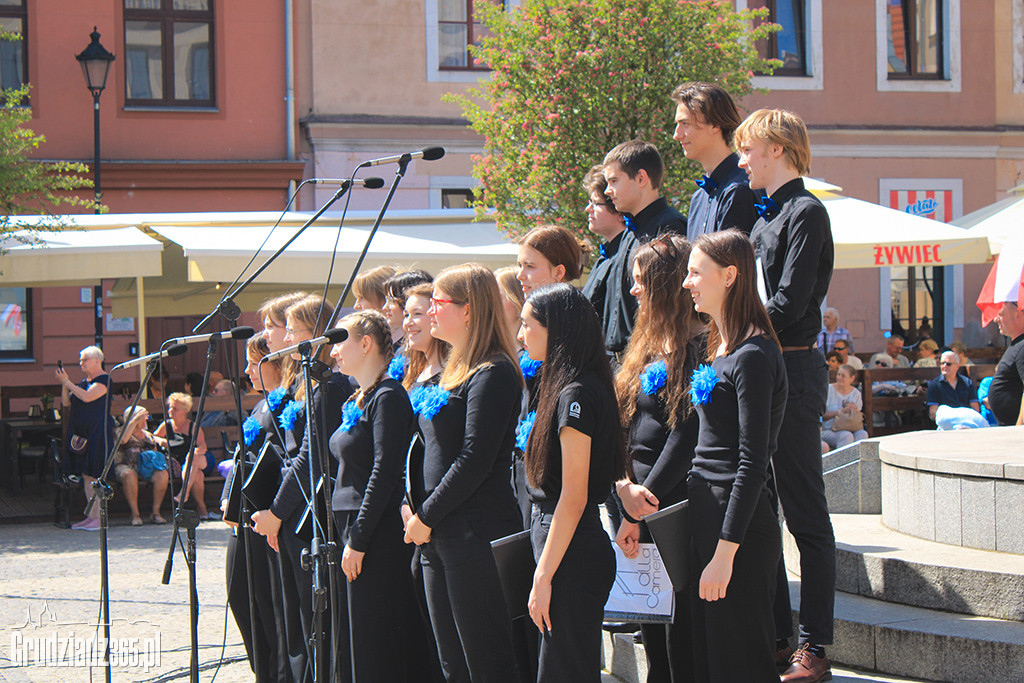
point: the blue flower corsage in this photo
(275, 397)
(653, 378)
(702, 383)
(250, 430)
(428, 400)
(350, 414)
(524, 429)
(396, 368)
(529, 366)
(289, 415)
(630, 223)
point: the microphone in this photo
(368, 183)
(427, 154)
(243, 332)
(332, 336)
(175, 350)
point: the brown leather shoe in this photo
(782, 657)
(804, 667)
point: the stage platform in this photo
(962, 488)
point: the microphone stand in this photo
(227, 306)
(322, 554)
(103, 493)
(190, 520)
(403, 164)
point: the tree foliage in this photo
(28, 186)
(570, 79)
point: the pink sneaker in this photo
(88, 524)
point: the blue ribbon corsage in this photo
(275, 397)
(350, 414)
(428, 400)
(250, 430)
(529, 366)
(701, 384)
(766, 208)
(652, 379)
(524, 429)
(396, 368)
(630, 223)
(289, 414)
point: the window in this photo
(13, 65)
(789, 45)
(457, 29)
(457, 199)
(914, 33)
(168, 53)
(15, 328)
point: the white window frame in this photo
(951, 64)
(436, 183)
(435, 74)
(813, 49)
(1018, 46)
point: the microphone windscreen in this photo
(373, 184)
(336, 335)
(243, 332)
(433, 153)
(177, 350)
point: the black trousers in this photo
(737, 632)
(669, 647)
(426, 667)
(801, 489)
(268, 656)
(297, 589)
(467, 606)
(381, 608)
(571, 650)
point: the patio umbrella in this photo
(1005, 281)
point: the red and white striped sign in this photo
(934, 204)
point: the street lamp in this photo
(95, 61)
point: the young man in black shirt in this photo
(634, 171)
(793, 243)
(706, 118)
(1006, 394)
(610, 279)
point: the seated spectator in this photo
(843, 348)
(178, 408)
(925, 330)
(220, 418)
(135, 459)
(834, 360)
(961, 352)
(843, 411)
(893, 346)
(831, 332)
(927, 354)
(955, 391)
(890, 387)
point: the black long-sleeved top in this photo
(656, 218)
(371, 460)
(589, 407)
(727, 203)
(607, 289)
(661, 455)
(796, 251)
(468, 450)
(295, 484)
(739, 427)
(265, 417)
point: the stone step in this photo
(876, 562)
(896, 640)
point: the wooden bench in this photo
(913, 405)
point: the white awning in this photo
(996, 222)
(35, 258)
(410, 239)
(868, 235)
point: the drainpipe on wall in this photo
(289, 80)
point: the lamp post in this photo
(95, 61)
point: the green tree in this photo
(28, 186)
(570, 79)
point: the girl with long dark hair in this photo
(468, 424)
(574, 452)
(653, 386)
(740, 397)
